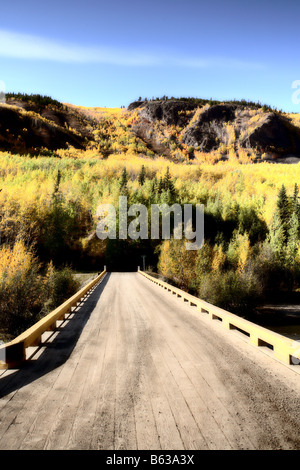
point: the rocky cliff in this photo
(207, 127)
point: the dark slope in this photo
(27, 127)
(209, 127)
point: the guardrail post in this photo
(37, 341)
(254, 340)
(283, 355)
(227, 324)
(202, 309)
(52, 327)
(12, 355)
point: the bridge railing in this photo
(12, 354)
(284, 349)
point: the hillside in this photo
(181, 130)
(221, 129)
(29, 124)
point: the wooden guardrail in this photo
(284, 349)
(12, 354)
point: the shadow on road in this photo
(56, 350)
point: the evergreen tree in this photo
(296, 205)
(154, 185)
(294, 229)
(285, 230)
(160, 187)
(142, 176)
(284, 211)
(56, 192)
(168, 183)
(293, 239)
(295, 195)
(57, 223)
(277, 237)
(123, 183)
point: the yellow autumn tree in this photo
(218, 259)
(21, 289)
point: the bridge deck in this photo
(137, 368)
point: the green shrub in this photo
(231, 290)
(60, 285)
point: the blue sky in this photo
(108, 53)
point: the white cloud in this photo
(25, 46)
(30, 47)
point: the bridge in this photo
(131, 362)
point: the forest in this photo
(48, 219)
